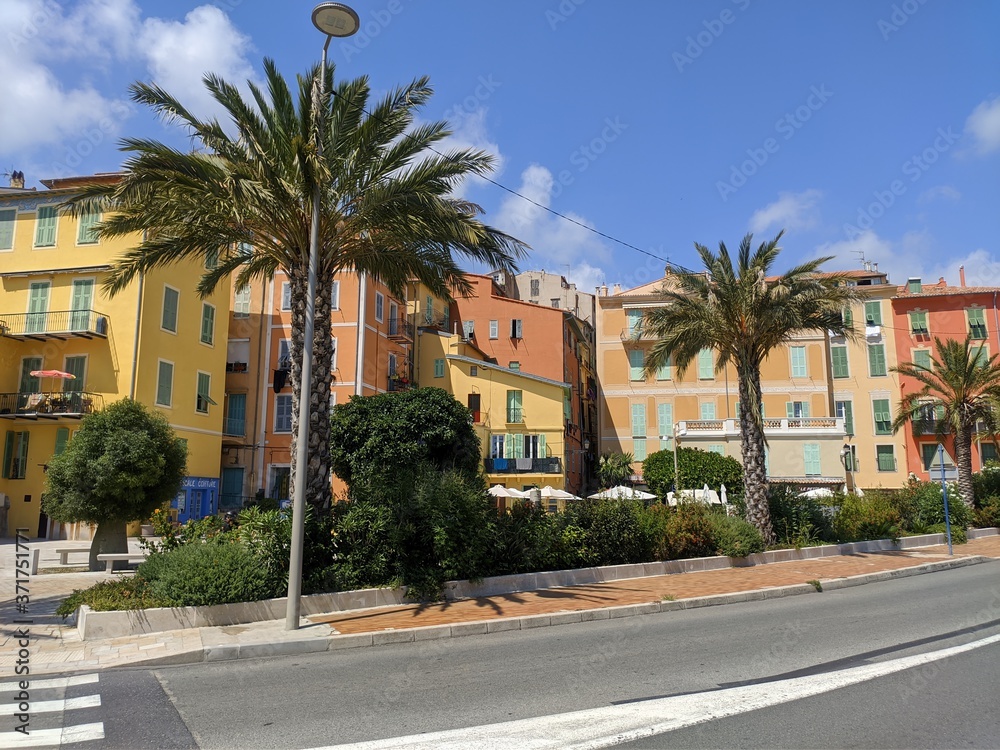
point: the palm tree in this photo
(614, 469)
(744, 313)
(245, 198)
(964, 389)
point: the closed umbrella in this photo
(551, 492)
(722, 493)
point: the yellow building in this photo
(518, 417)
(157, 341)
(639, 413)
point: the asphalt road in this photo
(391, 691)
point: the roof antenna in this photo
(861, 254)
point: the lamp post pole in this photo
(333, 19)
(944, 494)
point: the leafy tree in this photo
(614, 469)
(242, 201)
(123, 464)
(965, 390)
(385, 440)
(697, 468)
(743, 312)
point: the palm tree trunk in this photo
(963, 458)
(317, 474)
(754, 464)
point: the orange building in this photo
(921, 313)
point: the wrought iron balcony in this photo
(61, 324)
(49, 405)
(523, 465)
(398, 382)
(400, 330)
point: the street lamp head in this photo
(336, 19)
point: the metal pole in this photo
(944, 493)
(305, 384)
(677, 476)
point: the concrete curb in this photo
(316, 644)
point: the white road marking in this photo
(614, 725)
(67, 704)
(53, 682)
(53, 737)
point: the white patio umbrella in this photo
(621, 492)
(817, 493)
(548, 491)
(722, 494)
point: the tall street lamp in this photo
(334, 20)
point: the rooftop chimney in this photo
(875, 267)
(616, 289)
(17, 180)
(604, 290)
(961, 275)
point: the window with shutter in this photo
(241, 303)
(665, 372)
(810, 454)
(514, 412)
(845, 410)
(171, 298)
(203, 393)
(798, 361)
(883, 417)
(717, 449)
(379, 307)
(706, 367)
(286, 296)
(516, 329)
(797, 409)
(45, 227)
(708, 410)
(664, 423)
(634, 321)
(876, 360)
(207, 323)
(977, 323)
(839, 362)
(38, 307)
(918, 323)
(164, 383)
(283, 413)
(86, 235)
(76, 365)
(635, 365)
(8, 219)
(639, 449)
(494, 329)
(922, 358)
(885, 456)
(335, 295)
(638, 420)
(62, 437)
(873, 313)
(439, 368)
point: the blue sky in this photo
(860, 126)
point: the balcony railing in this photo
(63, 324)
(523, 465)
(234, 427)
(49, 405)
(237, 367)
(400, 330)
(398, 383)
(790, 426)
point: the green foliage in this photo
(381, 442)
(797, 521)
(526, 538)
(987, 515)
(122, 464)
(614, 469)
(986, 483)
(362, 544)
(697, 468)
(689, 530)
(874, 516)
(204, 574)
(922, 506)
(171, 536)
(126, 593)
(614, 532)
(734, 537)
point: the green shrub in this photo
(873, 516)
(697, 468)
(206, 574)
(734, 537)
(797, 521)
(986, 483)
(615, 532)
(123, 593)
(987, 514)
(689, 532)
(526, 538)
(958, 533)
(362, 545)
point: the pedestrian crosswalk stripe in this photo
(53, 737)
(68, 704)
(53, 682)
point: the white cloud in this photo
(939, 192)
(556, 243)
(983, 125)
(790, 211)
(469, 132)
(179, 54)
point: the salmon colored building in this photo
(921, 313)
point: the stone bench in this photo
(110, 558)
(65, 552)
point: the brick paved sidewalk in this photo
(58, 648)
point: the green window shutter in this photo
(635, 363)
(810, 453)
(439, 368)
(567, 406)
(805, 410)
(883, 417)
(928, 454)
(75, 366)
(708, 410)
(848, 316)
(918, 322)
(838, 360)
(62, 437)
(164, 384)
(518, 445)
(45, 227)
(85, 232)
(846, 409)
(639, 449)
(508, 446)
(717, 449)
(664, 421)
(706, 367)
(207, 323)
(873, 313)
(798, 361)
(203, 397)
(8, 450)
(922, 358)
(514, 410)
(790, 409)
(542, 452)
(8, 219)
(876, 360)
(38, 307)
(664, 372)
(638, 420)
(29, 383)
(977, 323)
(170, 300)
(634, 322)
(886, 457)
